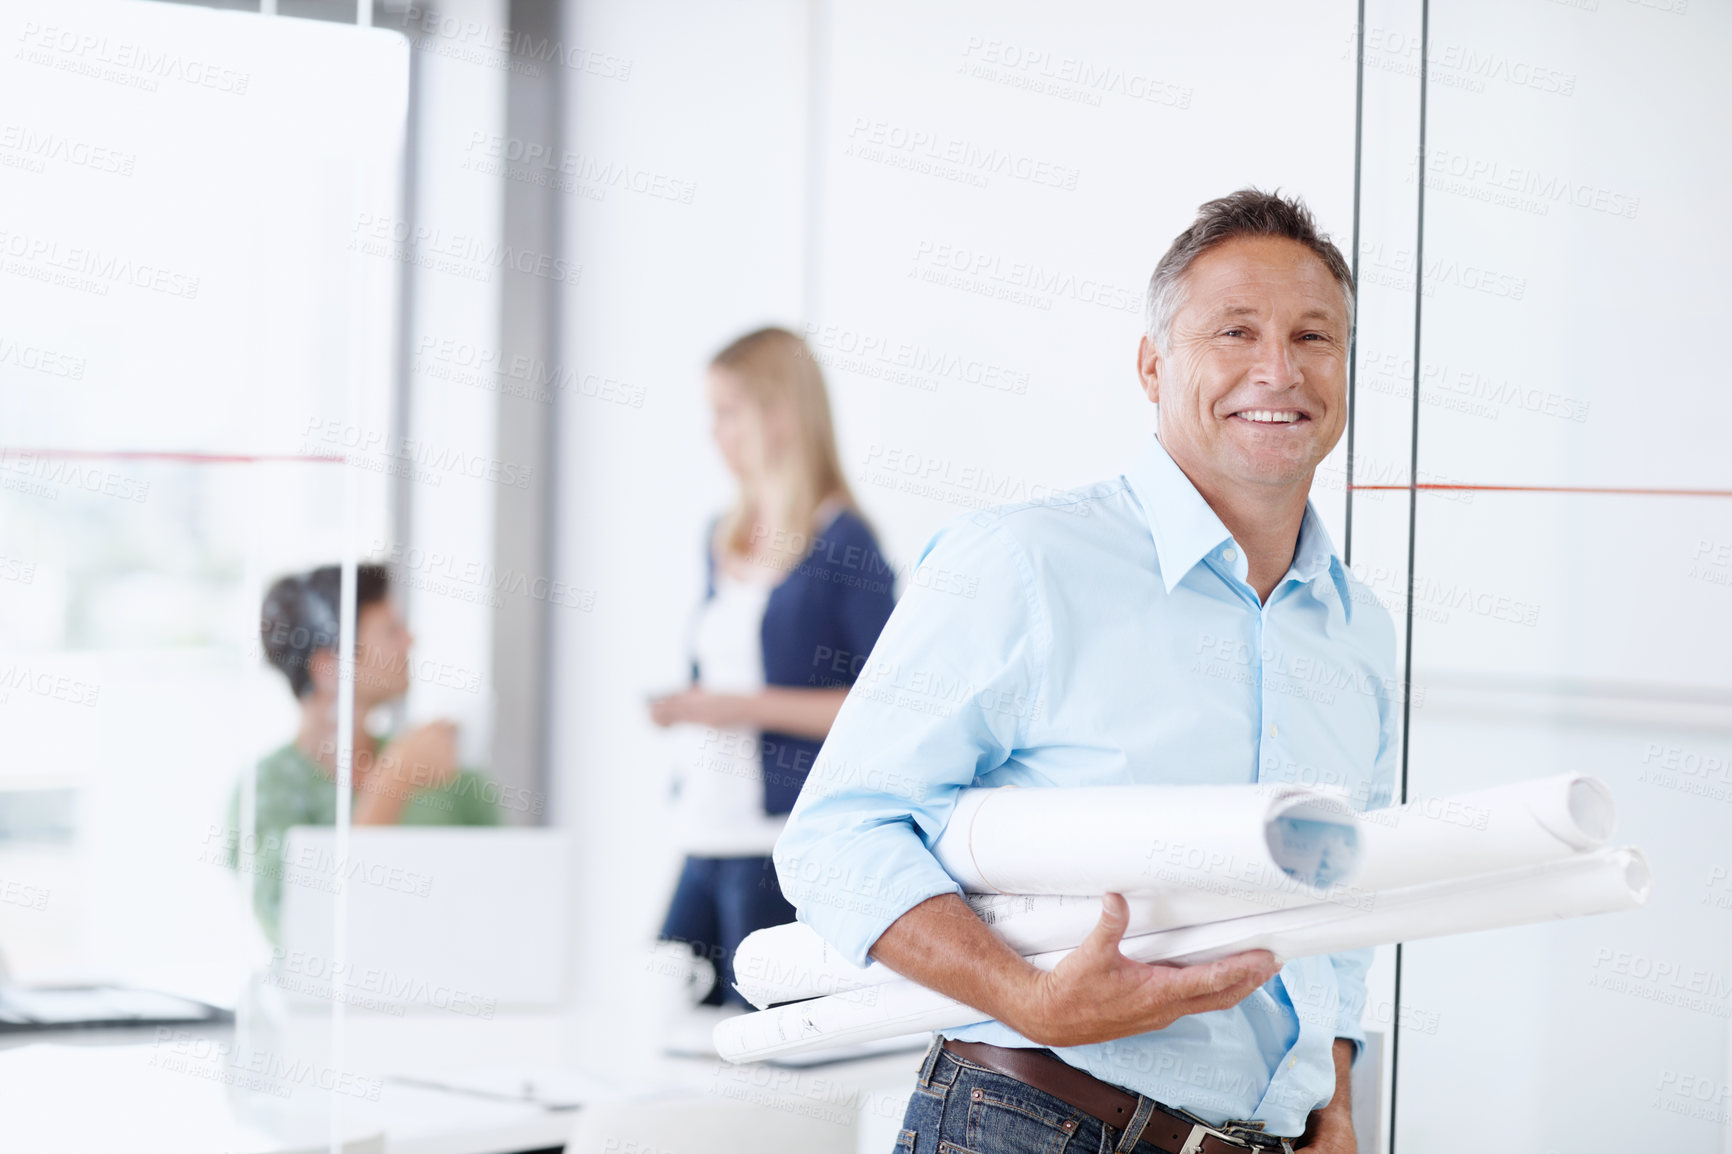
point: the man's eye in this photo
(1234, 333)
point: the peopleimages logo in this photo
(41, 683)
(960, 483)
(461, 255)
(90, 54)
(438, 460)
(1016, 281)
(882, 141)
(40, 257)
(305, 973)
(1065, 77)
(39, 148)
(529, 156)
(73, 474)
(36, 359)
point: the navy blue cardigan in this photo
(819, 624)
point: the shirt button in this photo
(1291, 1062)
(1272, 730)
(1229, 556)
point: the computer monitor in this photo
(457, 919)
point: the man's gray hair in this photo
(1248, 212)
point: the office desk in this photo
(192, 1090)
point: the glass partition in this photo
(196, 360)
(1569, 607)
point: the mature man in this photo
(1187, 621)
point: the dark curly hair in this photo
(299, 616)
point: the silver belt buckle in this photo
(1247, 1132)
(1194, 1143)
(1235, 1132)
(1250, 1135)
(1201, 1130)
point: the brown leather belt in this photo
(1105, 1102)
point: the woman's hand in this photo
(701, 707)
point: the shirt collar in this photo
(1186, 529)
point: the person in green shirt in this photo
(411, 778)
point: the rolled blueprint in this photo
(1143, 838)
(1603, 882)
(1425, 841)
(789, 962)
(1484, 831)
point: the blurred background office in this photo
(437, 285)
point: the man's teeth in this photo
(1270, 416)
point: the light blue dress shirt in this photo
(1105, 636)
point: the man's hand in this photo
(1097, 994)
(1330, 1130)
(1094, 995)
(423, 758)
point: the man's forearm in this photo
(1094, 994)
(943, 945)
(1331, 1128)
(1342, 1102)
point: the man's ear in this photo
(1149, 367)
(322, 671)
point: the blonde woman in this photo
(796, 595)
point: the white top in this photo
(720, 810)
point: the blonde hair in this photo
(776, 369)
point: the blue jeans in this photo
(961, 1108)
(717, 902)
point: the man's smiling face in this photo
(1253, 386)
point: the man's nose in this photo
(1276, 366)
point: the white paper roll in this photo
(1429, 840)
(1144, 838)
(1610, 880)
(790, 962)
(1485, 831)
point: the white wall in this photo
(1019, 299)
(455, 378)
